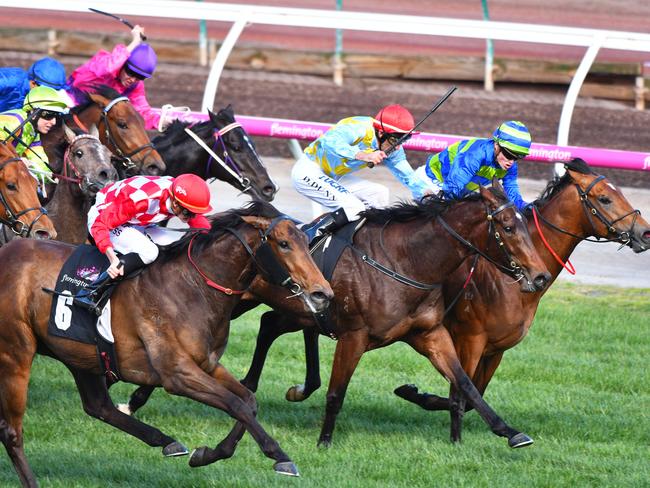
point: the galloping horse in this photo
(87, 168)
(372, 310)
(170, 326)
(121, 129)
(21, 213)
(579, 205)
(227, 139)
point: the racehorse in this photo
(121, 129)
(21, 213)
(87, 168)
(571, 209)
(170, 324)
(239, 165)
(371, 310)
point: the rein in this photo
(568, 265)
(11, 218)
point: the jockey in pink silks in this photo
(124, 69)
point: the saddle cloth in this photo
(69, 321)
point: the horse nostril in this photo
(42, 234)
(153, 170)
(103, 176)
(646, 235)
(268, 191)
(541, 281)
(319, 297)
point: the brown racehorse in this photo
(372, 310)
(87, 168)
(21, 212)
(579, 205)
(170, 327)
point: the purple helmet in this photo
(142, 60)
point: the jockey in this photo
(124, 69)
(124, 217)
(465, 165)
(15, 83)
(42, 108)
(324, 172)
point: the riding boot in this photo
(89, 297)
(326, 224)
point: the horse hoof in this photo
(324, 443)
(286, 468)
(175, 449)
(296, 393)
(406, 391)
(198, 457)
(519, 440)
(124, 408)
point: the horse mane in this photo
(557, 184)
(176, 132)
(219, 223)
(103, 90)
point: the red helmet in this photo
(394, 118)
(192, 193)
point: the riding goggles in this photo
(510, 156)
(48, 114)
(133, 74)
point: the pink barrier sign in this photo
(428, 142)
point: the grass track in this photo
(578, 385)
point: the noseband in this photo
(124, 158)
(11, 218)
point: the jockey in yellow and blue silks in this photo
(465, 165)
(324, 173)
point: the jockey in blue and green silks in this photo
(42, 108)
(463, 166)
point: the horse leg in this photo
(299, 393)
(14, 380)
(137, 400)
(97, 404)
(438, 347)
(272, 326)
(188, 380)
(349, 350)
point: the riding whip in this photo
(406, 136)
(124, 21)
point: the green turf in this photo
(578, 385)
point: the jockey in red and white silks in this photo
(124, 215)
(323, 172)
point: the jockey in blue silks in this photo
(15, 83)
(465, 165)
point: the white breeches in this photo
(348, 192)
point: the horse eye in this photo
(283, 244)
(122, 125)
(604, 200)
(12, 186)
(78, 153)
(508, 229)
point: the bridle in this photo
(263, 257)
(622, 237)
(123, 158)
(11, 218)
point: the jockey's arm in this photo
(460, 174)
(399, 166)
(138, 99)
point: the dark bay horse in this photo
(372, 310)
(121, 129)
(21, 213)
(170, 326)
(87, 168)
(579, 205)
(228, 140)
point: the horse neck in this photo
(186, 157)
(565, 211)
(68, 212)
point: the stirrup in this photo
(87, 303)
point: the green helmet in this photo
(45, 98)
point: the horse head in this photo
(87, 160)
(122, 130)
(20, 209)
(508, 228)
(239, 153)
(283, 259)
(608, 214)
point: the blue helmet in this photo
(514, 136)
(48, 72)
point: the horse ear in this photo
(98, 99)
(258, 222)
(496, 183)
(93, 131)
(69, 133)
(488, 196)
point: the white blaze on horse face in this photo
(611, 186)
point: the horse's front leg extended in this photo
(97, 403)
(349, 350)
(298, 393)
(437, 346)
